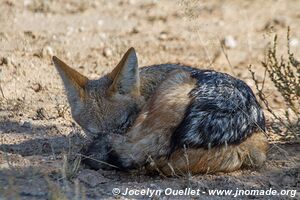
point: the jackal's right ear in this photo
(74, 82)
(125, 75)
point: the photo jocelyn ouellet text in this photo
(148, 192)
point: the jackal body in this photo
(170, 117)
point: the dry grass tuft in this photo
(70, 168)
(285, 75)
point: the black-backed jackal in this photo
(170, 117)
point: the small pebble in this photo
(230, 42)
(294, 42)
(163, 36)
(47, 51)
(107, 52)
(36, 87)
(81, 29)
(100, 22)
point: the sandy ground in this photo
(36, 129)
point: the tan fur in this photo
(250, 153)
(150, 135)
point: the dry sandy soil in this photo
(36, 129)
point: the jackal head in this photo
(108, 104)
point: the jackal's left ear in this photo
(125, 76)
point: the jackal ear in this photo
(74, 82)
(125, 75)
